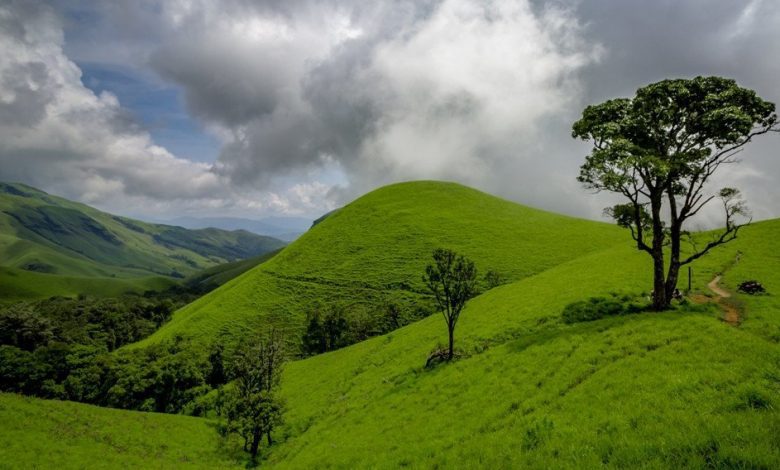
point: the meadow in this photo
(678, 389)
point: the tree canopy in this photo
(661, 148)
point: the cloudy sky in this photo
(251, 108)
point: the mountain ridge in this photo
(48, 235)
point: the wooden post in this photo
(690, 270)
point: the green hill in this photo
(680, 389)
(211, 278)
(45, 235)
(54, 434)
(373, 251)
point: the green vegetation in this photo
(18, 285)
(596, 308)
(677, 389)
(62, 348)
(369, 256)
(452, 280)
(252, 406)
(49, 241)
(211, 278)
(662, 148)
(55, 434)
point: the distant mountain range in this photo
(283, 228)
(47, 241)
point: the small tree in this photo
(325, 334)
(255, 409)
(216, 375)
(452, 280)
(661, 148)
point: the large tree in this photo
(660, 149)
(452, 279)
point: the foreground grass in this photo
(679, 389)
(53, 434)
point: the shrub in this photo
(596, 308)
(493, 279)
(751, 287)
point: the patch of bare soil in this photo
(730, 312)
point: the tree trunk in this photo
(452, 342)
(660, 300)
(268, 436)
(674, 261)
(256, 435)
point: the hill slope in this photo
(53, 434)
(48, 235)
(673, 390)
(373, 251)
(681, 389)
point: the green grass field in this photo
(54, 434)
(18, 285)
(680, 389)
(96, 252)
(374, 250)
(674, 390)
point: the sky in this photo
(159, 109)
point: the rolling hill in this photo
(54, 434)
(47, 240)
(681, 389)
(373, 251)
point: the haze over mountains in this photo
(283, 228)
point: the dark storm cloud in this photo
(482, 92)
(650, 41)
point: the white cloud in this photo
(57, 134)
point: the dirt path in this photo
(713, 286)
(730, 312)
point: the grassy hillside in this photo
(213, 277)
(681, 389)
(17, 285)
(673, 390)
(374, 250)
(44, 234)
(53, 434)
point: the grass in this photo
(44, 234)
(680, 389)
(222, 273)
(673, 390)
(54, 434)
(17, 285)
(373, 251)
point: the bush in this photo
(493, 279)
(751, 287)
(596, 308)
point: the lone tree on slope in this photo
(452, 279)
(661, 148)
(254, 408)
